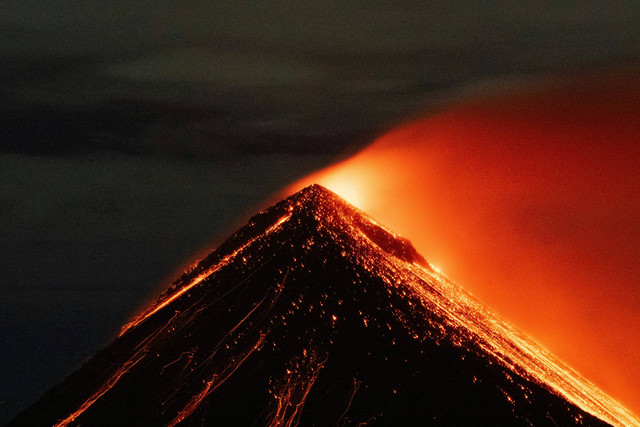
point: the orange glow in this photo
(531, 201)
(344, 184)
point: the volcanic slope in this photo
(314, 314)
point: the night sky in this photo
(135, 135)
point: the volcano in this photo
(314, 314)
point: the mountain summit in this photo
(314, 314)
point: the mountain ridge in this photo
(313, 313)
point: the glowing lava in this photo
(532, 201)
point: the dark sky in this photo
(135, 134)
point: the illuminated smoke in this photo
(532, 202)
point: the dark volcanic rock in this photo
(313, 314)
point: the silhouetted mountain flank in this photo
(314, 314)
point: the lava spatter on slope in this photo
(314, 314)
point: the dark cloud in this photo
(329, 68)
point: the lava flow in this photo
(314, 314)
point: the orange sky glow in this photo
(531, 201)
